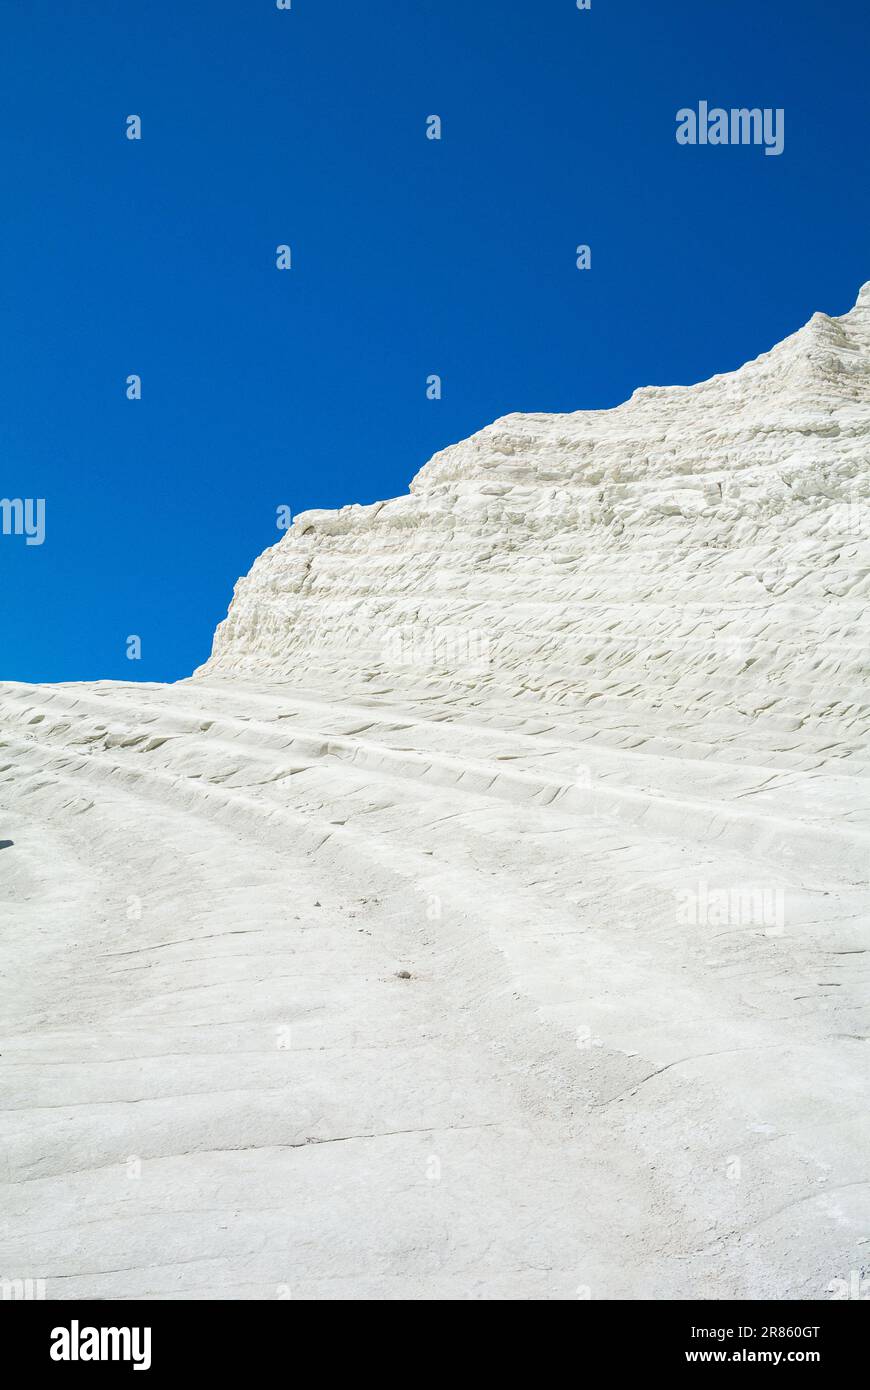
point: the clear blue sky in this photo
(411, 257)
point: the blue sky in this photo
(307, 388)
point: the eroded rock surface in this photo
(488, 917)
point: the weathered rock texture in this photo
(488, 917)
(698, 554)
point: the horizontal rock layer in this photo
(695, 558)
(488, 918)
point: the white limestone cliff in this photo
(488, 918)
(698, 549)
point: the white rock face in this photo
(488, 917)
(697, 553)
